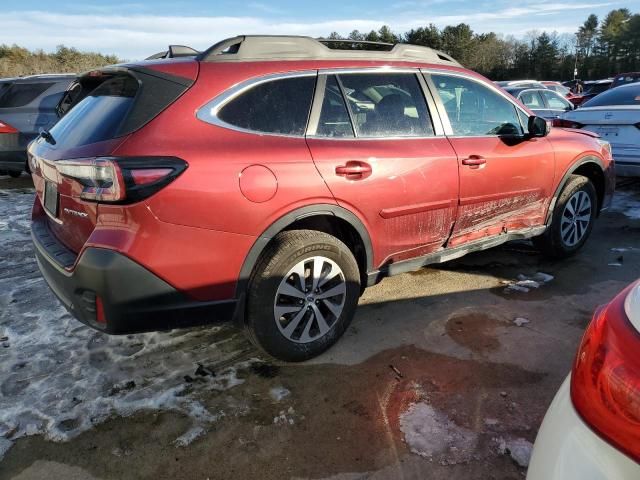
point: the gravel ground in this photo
(444, 373)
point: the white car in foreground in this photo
(592, 429)
(615, 116)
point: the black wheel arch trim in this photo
(583, 161)
(281, 224)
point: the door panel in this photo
(405, 188)
(505, 177)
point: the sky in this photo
(135, 29)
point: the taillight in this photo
(561, 122)
(121, 179)
(6, 128)
(605, 383)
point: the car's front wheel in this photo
(302, 295)
(572, 219)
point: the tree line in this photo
(18, 61)
(599, 49)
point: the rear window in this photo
(99, 115)
(279, 106)
(616, 96)
(20, 94)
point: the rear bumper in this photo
(133, 298)
(567, 449)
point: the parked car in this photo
(624, 78)
(615, 116)
(591, 430)
(591, 89)
(269, 180)
(542, 101)
(557, 87)
(520, 84)
(27, 105)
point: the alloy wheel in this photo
(310, 299)
(575, 218)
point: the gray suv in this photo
(27, 106)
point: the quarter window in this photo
(20, 94)
(555, 101)
(476, 110)
(385, 105)
(279, 106)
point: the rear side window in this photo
(99, 115)
(532, 99)
(555, 101)
(334, 116)
(618, 96)
(21, 94)
(387, 105)
(279, 106)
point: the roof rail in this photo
(352, 42)
(175, 51)
(281, 47)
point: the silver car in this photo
(615, 116)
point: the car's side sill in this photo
(446, 254)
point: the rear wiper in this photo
(47, 136)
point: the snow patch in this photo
(279, 393)
(525, 283)
(59, 378)
(285, 417)
(627, 203)
(518, 449)
(520, 321)
(432, 435)
(5, 445)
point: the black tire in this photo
(14, 173)
(287, 250)
(551, 243)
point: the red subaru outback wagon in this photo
(269, 180)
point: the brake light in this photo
(149, 175)
(121, 179)
(563, 123)
(605, 383)
(6, 128)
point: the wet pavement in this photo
(444, 373)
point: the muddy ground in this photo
(434, 379)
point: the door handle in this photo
(474, 161)
(354, 170)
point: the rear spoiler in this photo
(175, 51)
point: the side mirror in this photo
(538, 127)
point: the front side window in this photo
(386, 105)
(555, 101)
(278, 106)
(474, 109)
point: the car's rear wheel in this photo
(302, 295)
(572, 219)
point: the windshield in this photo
(618, 96)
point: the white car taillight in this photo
(116, 179)
(101, 178)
